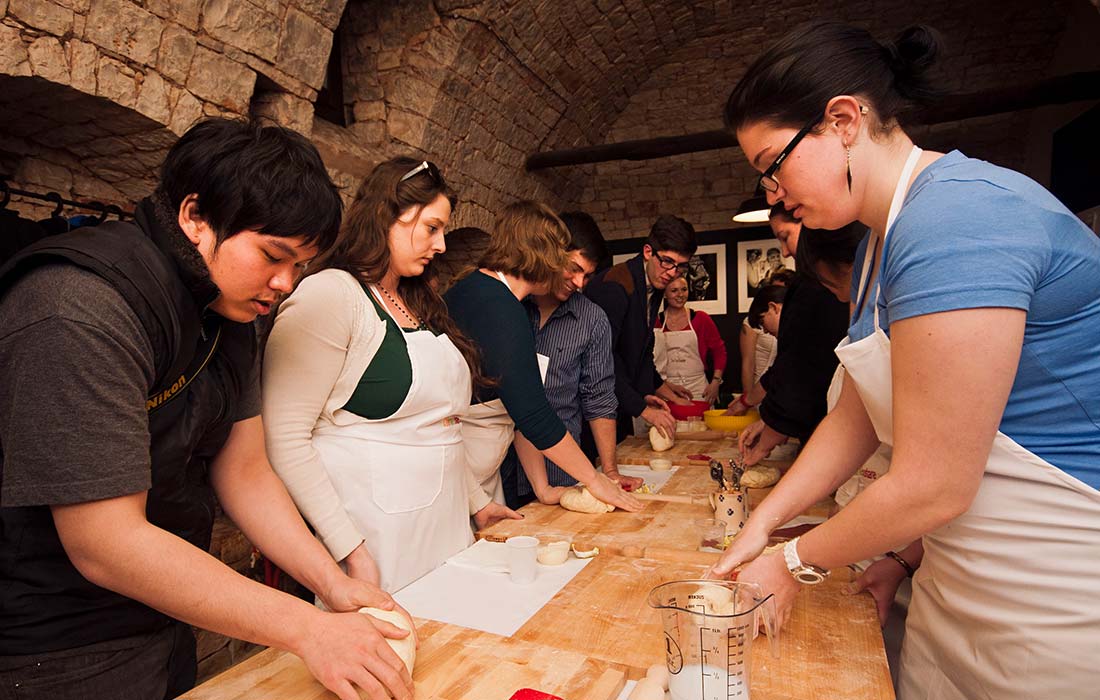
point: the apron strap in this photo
(895, 207)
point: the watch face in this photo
(808, 576)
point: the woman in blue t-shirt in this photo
(972, 352)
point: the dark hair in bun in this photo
(793, 80)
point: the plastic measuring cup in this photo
(522, 558)
(709, 628)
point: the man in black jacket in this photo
(811, 325)
(129, 401)
(630, 294)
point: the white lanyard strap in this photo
(895, 207)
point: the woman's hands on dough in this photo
(610, 493)
(628, 483)
(493, 513)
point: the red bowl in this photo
(685, 412)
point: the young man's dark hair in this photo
(586, 237)
(672, 233)
(250, 177)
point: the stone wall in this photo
(92, 92)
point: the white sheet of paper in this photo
(472, 589)
(655, 479)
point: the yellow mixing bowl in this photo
(716, 420)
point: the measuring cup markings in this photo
(708, 652)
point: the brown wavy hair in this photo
(528, 241)
(362, 248)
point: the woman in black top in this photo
(526, 253)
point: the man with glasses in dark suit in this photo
(630, 294)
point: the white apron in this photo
(487, 431)
(402, 478)
(676, 354)
(1006, 603)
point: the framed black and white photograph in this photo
(757, 261)
(706, 279)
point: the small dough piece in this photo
(659, 442)
(585, 553)
(578, 499)
(553, 553)
(658, 673)
(405, 648)
(647, 689)
(759, 477)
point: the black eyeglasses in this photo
(768, 181)
(425, 166)
(668, 263)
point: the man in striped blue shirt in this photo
(575, 334)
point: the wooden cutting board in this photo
(453, 663)
(830, 649)
(670, 525)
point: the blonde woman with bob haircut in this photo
(526, 253)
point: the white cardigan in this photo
(324, 337)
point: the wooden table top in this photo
(599, 630)
(453, 663)
(831, 647)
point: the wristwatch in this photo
(802, 571)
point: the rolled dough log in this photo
(659, 442)
(580, 500)
(759, 477)
(404, 648)
(647, 689)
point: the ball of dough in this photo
(580, 500)
(759, 477)
(404, 648)
(718, 600)
(659, 442)
(647, 689)
(658, 673)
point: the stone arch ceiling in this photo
(479, 85)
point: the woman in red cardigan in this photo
(687, 344)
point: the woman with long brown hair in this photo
(365, 380)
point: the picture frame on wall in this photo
(706, 278)
(756, 261)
